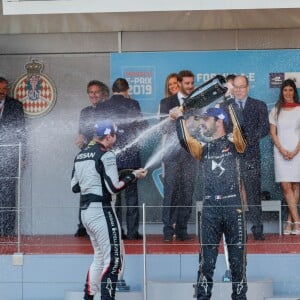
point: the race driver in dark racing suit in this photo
(95, 176)
(223, 209)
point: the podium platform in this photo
(131, 295)
(50, 267)
(161, 290)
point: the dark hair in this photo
(230, 77)
(104, 88)
(172, 75)
(185, 73)
(2, 79)
(280, 101)
(120, 85)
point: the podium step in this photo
(282, 298)
(257, 290)
(130, 295)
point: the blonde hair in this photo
(172, 75)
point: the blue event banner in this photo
(266, 69)
(146, 71)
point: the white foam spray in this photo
(146, 134)
(168, 147)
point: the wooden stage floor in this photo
(68, 244)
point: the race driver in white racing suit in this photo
(223, 209)
(95, 176)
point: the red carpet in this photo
(67, 244)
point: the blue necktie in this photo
(241, 105)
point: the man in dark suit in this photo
(127, 115)
(255, 126)
(97, 92)
(178, 168)
(12, 132)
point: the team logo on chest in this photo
(215, 166)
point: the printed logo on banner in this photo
(276, 79)
(35, 90)
(140, 81)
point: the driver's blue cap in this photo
(105, 127)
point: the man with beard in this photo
(223, 209)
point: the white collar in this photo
(180, 97)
